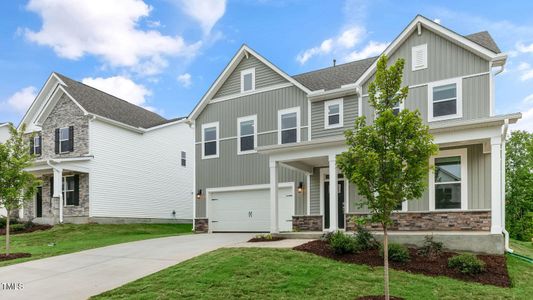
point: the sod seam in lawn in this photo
(69, 238)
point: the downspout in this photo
(60, 194)
(505, 233)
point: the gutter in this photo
(502, 189)
(48, 162)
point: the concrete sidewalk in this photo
(91, 272)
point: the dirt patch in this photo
(378, 298)
(495, 272)
(262, 239)
(13, 256)
(32, 228)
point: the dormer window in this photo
(248, 80)
(419, 57)
(333, 111)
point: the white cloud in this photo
(528, 99)
(20, 101)
(106, 29)
(121, 87)
(324, 48)
(524, 48)
(527, 75)
(351, 37)
(372, 49)
(526, 123)
(205, 12)
(523, 66)
(185, 80)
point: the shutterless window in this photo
(448, 182)
(183, 159)
(248, 80)
(64, 141)
(69, 190)
(333, 113)
(445, 100)
(247, 134)
(210, 141)
(289, 127)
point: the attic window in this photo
(248, 80)
(419, 57)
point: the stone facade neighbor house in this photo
(103, 159)
(266, 142)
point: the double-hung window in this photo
(70, 192)
(445, 100)
(210, 140)
(289, 125)
(64, 140)
(448, 186)
(248, 80)
(333, 113)
(246, 134)
(183, 159)
(398, 108)
(36, 145)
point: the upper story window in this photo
(448, 188)
(333, 113)
(246, 134)
(36, 145)
(210, 138)
(289, 125)
(183, 159)
(397, 108)
(419, 57)
(248, 80)
(445, 100)
(64, 140)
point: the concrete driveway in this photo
(91, 272)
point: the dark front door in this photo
(39, 202)
(340, 204)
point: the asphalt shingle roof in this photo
(111, 107)
(484, 39)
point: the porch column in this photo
(333, 201)
(274, 227)
(58, 190)
(496, 185)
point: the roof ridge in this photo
(336, 66)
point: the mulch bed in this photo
(262, 239)
(495, 273)
(378, 298)
(13, 256)
(35, 227)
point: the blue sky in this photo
(164, 54)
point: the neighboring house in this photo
(266, 142)
(103, 159)
(4, 132)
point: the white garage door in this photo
(249, 210)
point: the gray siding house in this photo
(266, 142)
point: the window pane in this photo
(288, 136)
(37, 141)
(333, 109)
(63, 134)
(210, 134)
(448, 169)
(210, 148)
(183, 155)
(448, 196)
(247, 127)
(333, 119)
(247, 82)
(444, 92)
(247, 143)
(288, 120)
(398, 207)
(396, 111)
(64, 146)
(444, 108)
(69, 198)
(70, 183)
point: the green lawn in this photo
(287, 274)
(68, 238)
(522, 248)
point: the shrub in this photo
(266, 236)
(466, 264)
(3, 221)
(16, 227)
(326, 237)
(397, 252)
(430, 249)
(364, 239)
(342, 243)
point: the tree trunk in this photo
(8, 217)
(386, 261)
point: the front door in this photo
(340, 204)
(39, 202)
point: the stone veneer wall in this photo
(307, 223)
(432, 221)
(201, 225)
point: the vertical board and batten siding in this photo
(140, 175)
(315, 192)
(350, 107)
(264, 77)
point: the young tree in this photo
(16, 185)
(388, 160)
(519, 185)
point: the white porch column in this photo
(274, 227)
(58, 190)
(496, 185)
(333, 201)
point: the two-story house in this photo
(103, 159)
(4, 131)
(266, 142)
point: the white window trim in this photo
(246, 72)
(415, 49)
(341, 113)
(64, 190)
(208, 125)
(37, 138)
(288, 111)
(459, 102)
(463, 153)
(60, 140)
(244, 119)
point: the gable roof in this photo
(334, 77)
(483, 38)
(108, 106)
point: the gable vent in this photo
(419, 57)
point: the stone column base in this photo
(201, 225)
(307, 223)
